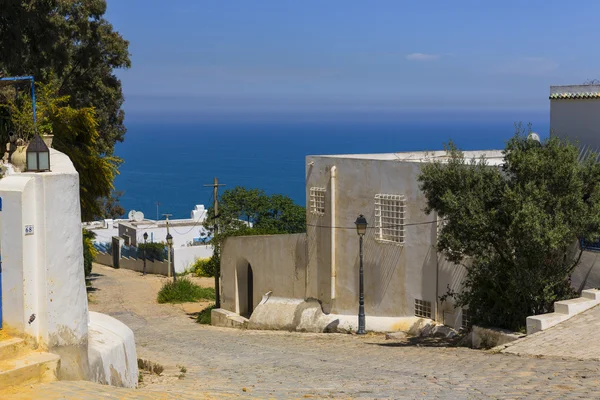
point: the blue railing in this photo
(138, 254)
(590, 246)
(103, 247)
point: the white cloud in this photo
(422, 57)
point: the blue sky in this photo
(285, 57)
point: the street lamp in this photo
(170, 244)
(361, 229)
(145, 245)
(38, 155)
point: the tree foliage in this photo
(75, 134)
(70, 41)
(247, 212)
(515, 228)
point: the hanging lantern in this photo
(38, 155)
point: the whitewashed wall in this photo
(43, 279)
(186, 256)
(44, 295)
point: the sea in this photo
(168, 162)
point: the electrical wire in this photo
(197, 222)
(376, 227)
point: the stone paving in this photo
(234, 363)
(578, 337)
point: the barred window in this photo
(466, 319)
(317, 200)
(441, 223)
(389, 218)
(422, 308)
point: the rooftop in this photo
(575, 92)
(493, 157)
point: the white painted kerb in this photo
(112, 353)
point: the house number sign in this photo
(28, 230)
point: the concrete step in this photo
(593, 294)
(542, 322)
(11, 348)
(29, 368)
(574, 306)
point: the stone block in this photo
(227, 319)
(574, 306)
(492, 337)
(593, 294)
(396, 336)
(541, 322)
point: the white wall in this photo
(43, 272)
(186, 256)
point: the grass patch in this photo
(183, 291)
(204, 315)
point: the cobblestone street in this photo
(231, 363)
(577, 338)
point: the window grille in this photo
(389, 218)
(441, 223)
(317, 200)
(422, 308)
(466, 319)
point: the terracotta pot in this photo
(19, 158)
(48, 140)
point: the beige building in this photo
(575, 114)
(404, 275)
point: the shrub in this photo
(183, 290)
(152, 251)
(89, 251)
(204, 267)
(204, 315)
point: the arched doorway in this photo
(250, 289)
(245, 288)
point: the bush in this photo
(204, 315)
(204, 267)
(152, 251)
(183, 290)
(89, 251)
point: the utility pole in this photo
(169, 242)
(215, 186)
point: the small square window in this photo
(317, 200)
(389, 218)
(422, 308)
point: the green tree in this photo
(75, 134)
(110, 208)
(246, 212)
(69, 40)
(514, 228)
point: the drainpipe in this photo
(333, 172)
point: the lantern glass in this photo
(44, 161)
(38, 155)
(145, 235)
(169, 239)
(361, 225)
(32, 162)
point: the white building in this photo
(404, 275)
(43, 297)
(185, 232)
